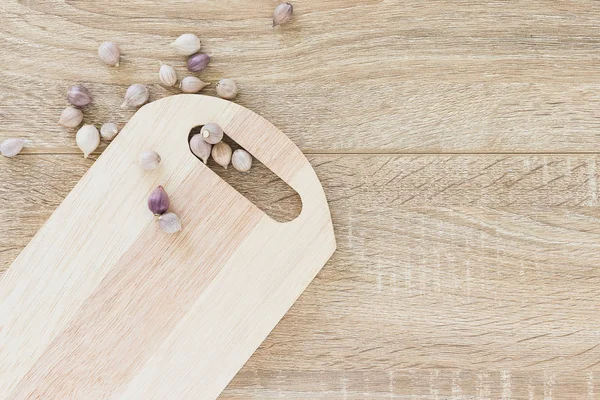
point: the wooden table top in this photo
(457, 142)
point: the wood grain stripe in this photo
(460, 76)
(433, 284)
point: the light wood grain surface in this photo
(457, 143)
(100, 304)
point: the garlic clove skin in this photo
(149, 160)
(200, 148)
(221, 153)
(79, 96)
(241, 160)
(109, 130)
(191, 84)
(88, 139)
(158, 201)
(212, 133)
(282, 14)
(169, 223)
(227, 89)
(167, 75)
(137, 95)
(109, 53)
(187, 44)
(71, 117)
(12, 146)
(198, 62)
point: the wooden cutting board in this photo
(102, 304)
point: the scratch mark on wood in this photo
(548, 385)
(592, 181)
(456, 389)
(531, 389)
(546, 175)
(506, 385)
(433, 378)
(483, 389)
(344, 386)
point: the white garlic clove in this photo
(109, 130)
(200, 147)
(109, 53)
(12, 146)
(221, 153)
(71, 117)
(88, 139)
(186, 44)
(241, 160)
(167, 75)
(191, 84)
(227, 89)
(149, 160)
(170, 223)
(136, 96)
(282, 14)
(212, 133)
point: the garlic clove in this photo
(12, 146)
(158, 201)
(191, 84)
(198, 62)
(88, 139)
(241, 160)
(186, 44)
(109, 130)
(200, 147)
(167, 75)
(109, 53)
(221, 153)
(282, 14)
(212, 133)
(169, 223)
(149, 160)
(79, 96)
(227, 89)
(136, 96)
(71, 117)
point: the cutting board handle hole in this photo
(259, 185)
